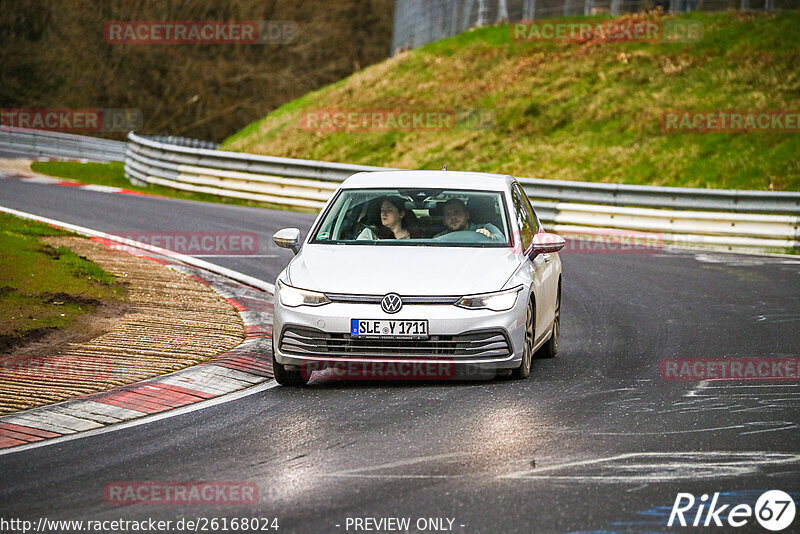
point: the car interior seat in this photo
(483, 210)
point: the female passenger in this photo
(396, 221)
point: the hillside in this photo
(564, 110)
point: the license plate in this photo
(391, 328)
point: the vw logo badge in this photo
(391, 303)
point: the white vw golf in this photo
(418, 274)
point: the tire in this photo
(550, 349)
(524, 370)
(287, 378)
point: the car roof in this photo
(443, 179)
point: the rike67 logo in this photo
(774, 510)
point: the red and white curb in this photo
(246, 365)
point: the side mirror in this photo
(288, 238)
(544, 243)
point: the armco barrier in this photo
(40, 143)
(682, 198)
(684, 216)
(695, 217)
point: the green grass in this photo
(589, 112)
(110, 174)
(44, 287)
(113, 174)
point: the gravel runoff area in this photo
(172, 321)
(18, 166)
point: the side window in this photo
(523, 217)
(531, 213)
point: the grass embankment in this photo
(110, 174)
(43, 288)
(573, 111)
(113, 174)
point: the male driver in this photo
(456, 219)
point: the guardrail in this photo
(281, 181)
(40, 143)
(184, 141)
(684, 216)
(719, 218)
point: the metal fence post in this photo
(502, 11)
(529, 10)
(483, 13)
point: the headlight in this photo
(293, 297)
(500, 301)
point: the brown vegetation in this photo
(54, 55)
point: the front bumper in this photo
(324, 334)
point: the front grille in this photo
(309, 342)
(376, 299)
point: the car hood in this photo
(407, 270)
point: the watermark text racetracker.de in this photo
(208, 493)
(197, 243)
(613, 31)
(57, 367)
(612, 241)
(175, 32)
(148, 525)
(696, 369)
(439, 370)
(731, 121)
(352, 370)
(330, 120)
(84, 120)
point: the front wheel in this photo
(285, 377)
(550, 349)
(524, 369)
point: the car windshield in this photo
(430, 217)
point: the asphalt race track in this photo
(595, 440)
